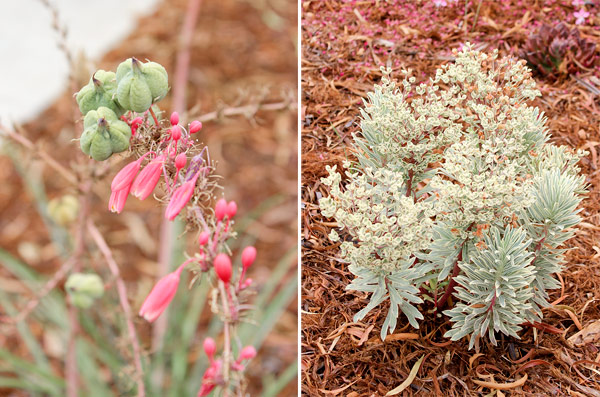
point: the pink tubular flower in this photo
(581, 16)
(117, 200)
(161, 295)
(209, 378)
(124, 177)
(180, 198)
(147, 179)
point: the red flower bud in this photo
(221, 209)
(180, 161)
(223, 267)
(248, 256)
(174, 118)
(175, 133)
(203, 238)
(195, 126)
(210, 347)
(247, 353)
(231, 209)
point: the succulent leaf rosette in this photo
(456, 192)
(554, 51)
(104, 134)
(100, 91)
(139, 84)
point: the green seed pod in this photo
(63, 210)
(104, 134)
(84, 288)
(100, 91)
(139, 84)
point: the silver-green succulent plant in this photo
(456, 191)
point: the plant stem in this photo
(226, 336)
(440, 304)
(153, 116)
(122, 291)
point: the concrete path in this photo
(33, 71)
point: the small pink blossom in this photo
(578, 3)
(146, 181)
(440, 3)
(581, 16)
(161, 295)
(124, 177)
(175, 133)
(117, 200)
(209, 378)
(180, 198)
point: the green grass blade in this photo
(274, 385)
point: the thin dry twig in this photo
(122, 291)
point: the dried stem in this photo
(247, 110)
(122, 291)
(49, 286)
(52, 163)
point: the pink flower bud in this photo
(147, 179)
(195, 126)
(247, 283)
(180, 198)
(161, 295)
(124, 177)
(203, 238)
(223, 268)
(248, 256)
(180, 161)
(117, 200)
(174, 118)
(231, 209)
(210, 347)
(247, 353)
(221, 209)
(175, 133)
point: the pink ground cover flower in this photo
(161, 295)
(581, 16)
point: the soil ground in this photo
(343, 46)
(242, 52)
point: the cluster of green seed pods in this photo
(135, 87)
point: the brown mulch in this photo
(343, 46)
(241, 54)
